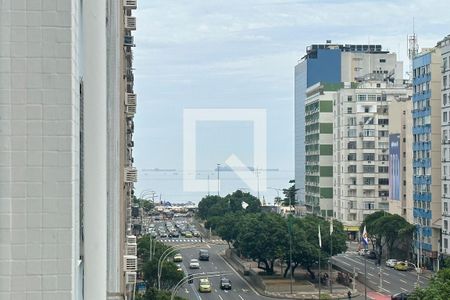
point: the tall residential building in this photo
(319, 148)
(427, 153)
(361, 149)
(444, 46)
(63, 149)
(334, 63)
(400, 166)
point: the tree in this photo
(262, 237)
(438, 288)
(154, 294)
(385, 229)
(227, 227)
(289, 197)
(169, 275)
(305, 242)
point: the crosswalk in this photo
(217, 241)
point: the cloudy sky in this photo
(241, 54)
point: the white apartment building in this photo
(66, 171)
(361, 149)
(444, 45)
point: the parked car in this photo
(204, 286)
(363, 252)
(194, 264)
(400, 296)
(179, 268)
(371, 255)
(403, 266)
(391, 262)
(178, 258)
(225, 283)
(188, 234)
(203, 254)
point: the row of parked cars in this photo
(399, 265)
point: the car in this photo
(179, 268)
(194, 264)
(178, 258)
(188, 234)
(371, 255)
(400, 296)
(225, 283)
(203, 255)
(391, 262)
(204, 286)
(196, 233)
(403, 266)
(363, 252)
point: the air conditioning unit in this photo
(130, 23)
(131, 249)
(130, 4)
(129, 263)
(131, 239)
(130, 99)
(130, 110)
(130, 277)
(130, 174)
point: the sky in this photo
(234, 54)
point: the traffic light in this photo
(191, 278)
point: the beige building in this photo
(400, 123)
(361, 149)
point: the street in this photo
(393, 281)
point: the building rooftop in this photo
(311, 51)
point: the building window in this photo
(369, 205)
(445, 243)
(368, 169)
(383, 181)
(444, 82)
(349, 98)
(369, 156)
(362, 97)
(351, 156)
(351, 145)
(444, 63)
(444, 99)
(445, 225)
(445, 207)
(382, 60)
(352, 169)
(368, 180)
(349, 110)
(383, 121)
(368, 144)
(383, 169)
(444, 117)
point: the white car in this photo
(391, 262)
(194, 264)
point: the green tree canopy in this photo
(438, 288)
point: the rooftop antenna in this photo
(413, 49)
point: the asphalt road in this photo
(240, 289)
(393, 281)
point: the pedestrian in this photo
(349, 294)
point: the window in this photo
(445, 225)
(383, 181)
(444, 117)
(351, 156)
(369, 205)
(349, 110)
(383, 121)
(368, 120)
(351, 121)
(351, 145)
(372, 97)
(383, 169)
(382, 60)
(444, 63)
(368, 181)
(351, 132)
(444, 99)
(383, 193)
(369, 156)
(362, 97)
(444, 82)
(383, 133)
(368, 169)
(445, 243)
(349, 98)
(368, 144)
(383, 157)
(445, 206)
(352, 169)
(445, 188)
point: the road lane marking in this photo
(238, 275)
(346, 263)
(403, 281)
(240, 297)
(220, 297)
(405, 290)
(386, 281)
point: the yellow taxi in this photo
(204, 286)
